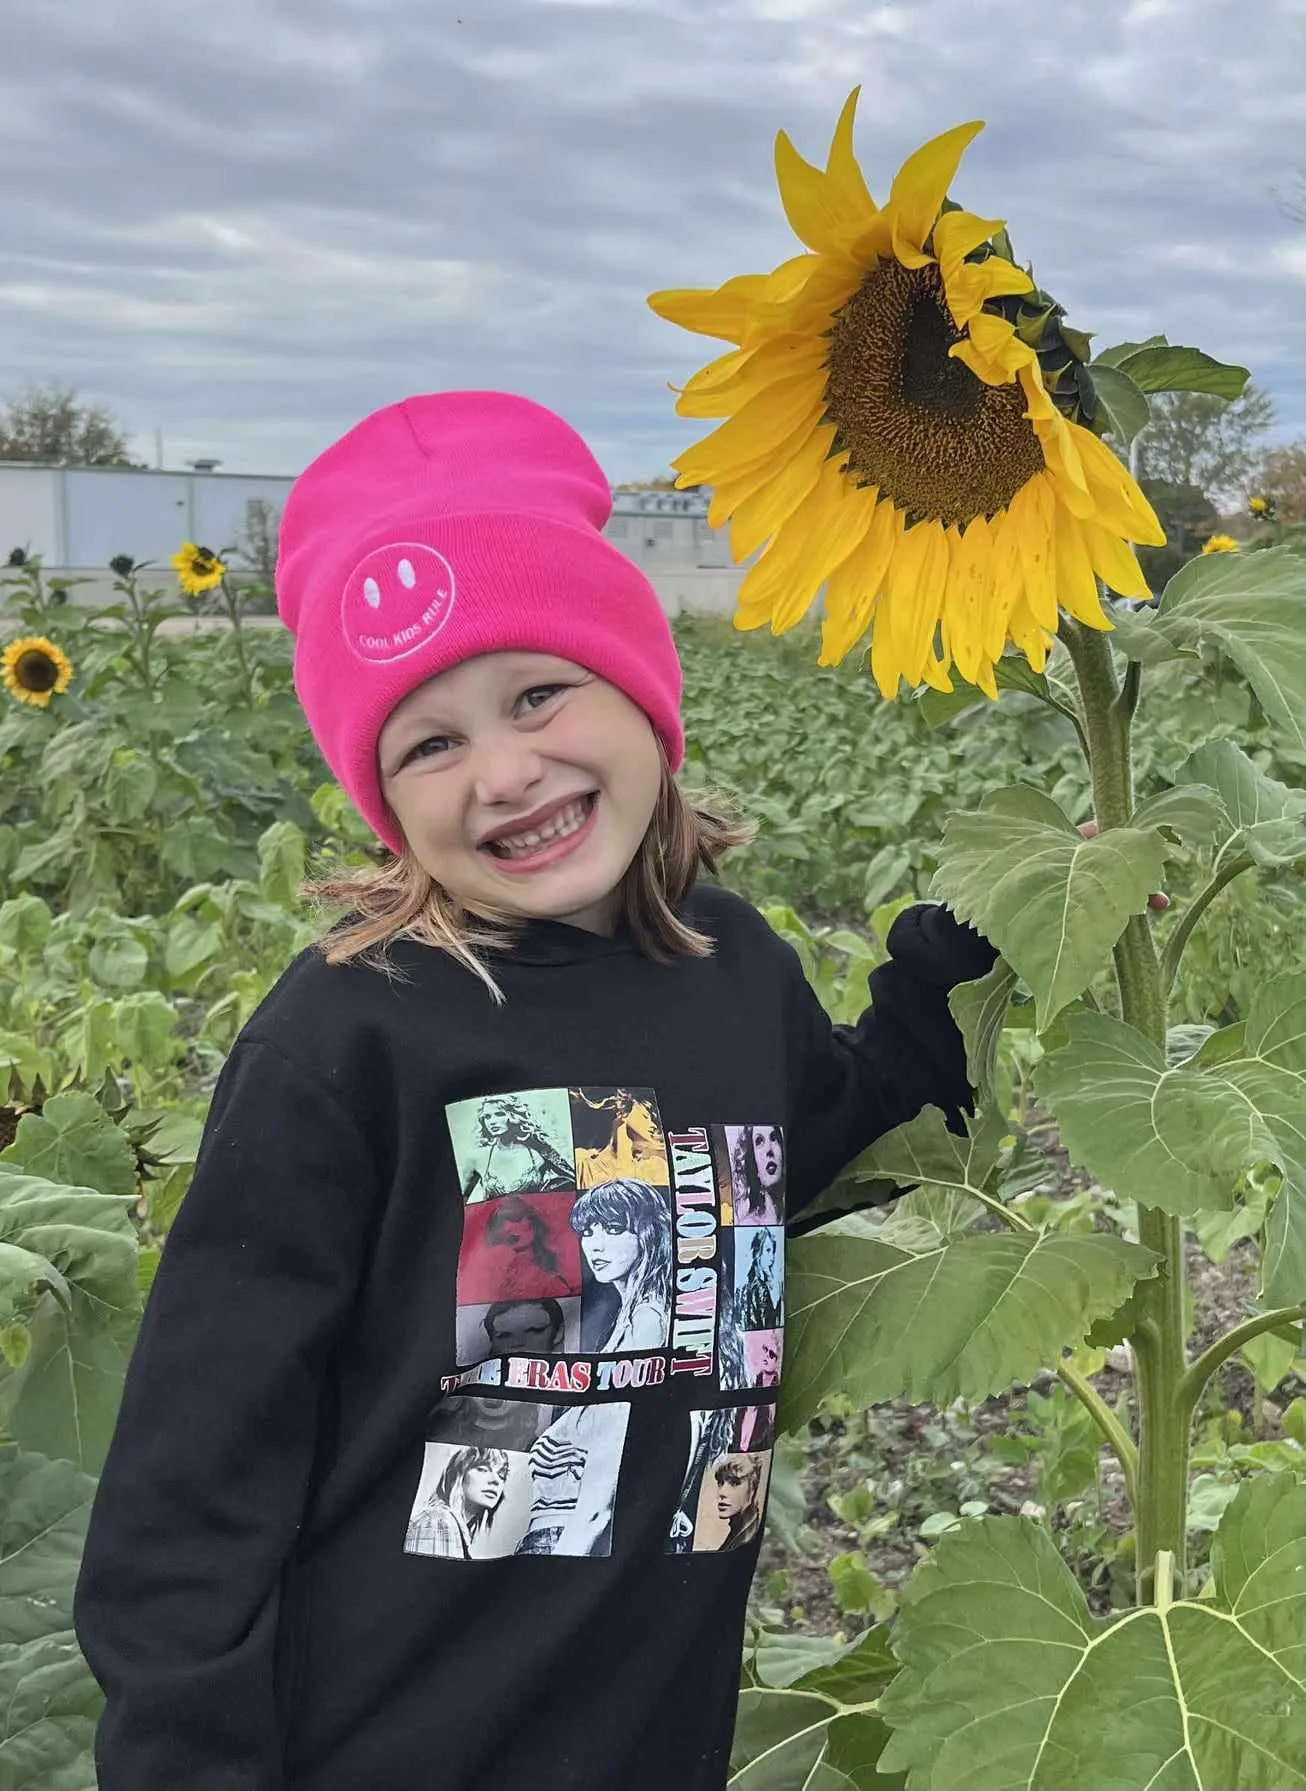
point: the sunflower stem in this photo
(1160, 1337)
(1178, 940)
(1108, 1424)
(238, 637)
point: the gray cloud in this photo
(247, 225)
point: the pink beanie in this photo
(445, 527)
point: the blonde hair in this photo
(397, 898)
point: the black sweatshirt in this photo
(444, 1451)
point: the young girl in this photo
(498, 690)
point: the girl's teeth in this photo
(567, 822)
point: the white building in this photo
(78, 518)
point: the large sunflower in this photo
(34, 670)
(901, 429)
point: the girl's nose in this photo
(505, 770)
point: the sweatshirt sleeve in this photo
(177, 1602)
(854, 1083)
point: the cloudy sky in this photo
(246, 223)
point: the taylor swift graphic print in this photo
(567, 1221)
(723, 1497)
(517, 1477)
(513, 1144)
(624, 1229)
(601, 1255)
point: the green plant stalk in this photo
(1108, 1423)
(141, 631)
(1160, 1509)
(1174, 945)
(1113, 1431)
(1195, 1379)
(238, 638)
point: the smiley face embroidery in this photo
(396, 599)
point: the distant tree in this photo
(1208, 443)
(51, 424)
(1281, 475)
(1188, 517)
(256, 544)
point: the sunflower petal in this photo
(756, 369)
(913, 595)
(1032, 511)
(720, 311)
(1120, 504)
(958, 234)
(769, 581)
(1114, 561)
(762, 427)
(994, 341)
(844, 514)
(965, 601)
(823, 208)
(773, 502)
(920, 187)
(1033, 641)
(843, 168)
(803, 298)
(1007, 583)
(729, 497)
(1077, 590)
(973, 284)
(852, 590)
(719, 372)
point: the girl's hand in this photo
(1157, 902)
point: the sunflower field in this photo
(1040, 1516)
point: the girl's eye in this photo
(539, 694)
(436, 743)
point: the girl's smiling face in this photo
(610, 1254)
(524, 785)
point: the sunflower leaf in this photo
(1008, 1680)
(927, 1312)
(1121, 351)
(1124, 406)
(73, 1141)
(49, 1706)
(806, 1723)
(1180, 1137)
(1263, 817)
(63, 1400)
(1053, 902)
(1250, 606)
(45, 1505)
(1167, 367)
(980, 1008)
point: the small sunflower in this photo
(198, 569)
(1219, 544)
(1262, 508)
(34, 670)
(902, 427)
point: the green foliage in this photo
(1180, 1138)
(804, 1719)
(1053, 902)
(1007, 1676)
(156, 823)
(1198, 1694)
(1249, 607)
